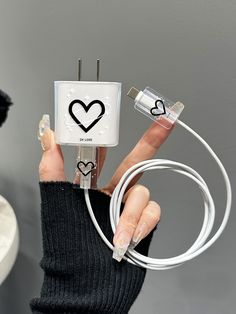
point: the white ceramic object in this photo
(9, 238)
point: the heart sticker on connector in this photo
(157, 111)
(86, 109)
(84, 167)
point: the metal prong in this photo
(133, 92)
(79, 69)
(98, 69)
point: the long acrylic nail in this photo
(121, 245)
(138, 235)
(44, 132)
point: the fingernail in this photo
(138, 236)
(44, 132)
(121, 245)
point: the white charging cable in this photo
(202, 243)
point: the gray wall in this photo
(186, 50)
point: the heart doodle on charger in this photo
(85, 173)
(86, 109)
(157, 111)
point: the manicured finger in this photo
(149, 219)
(146, 148)
(136, 200)
(51, 167)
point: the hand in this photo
(140, 215)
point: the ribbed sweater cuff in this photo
(80, 275)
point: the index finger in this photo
(146, 148)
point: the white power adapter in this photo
(87, 115)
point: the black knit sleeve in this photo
(80, 275)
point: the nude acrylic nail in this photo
(121, 245)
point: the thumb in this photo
(51, 166)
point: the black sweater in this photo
(80, 275)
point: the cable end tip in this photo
(133, 92)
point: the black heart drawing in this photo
(156, 108)
(85, 165)
(86, 108)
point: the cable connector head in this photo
(133, 92)
(155, 106)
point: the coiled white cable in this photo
(201, 244)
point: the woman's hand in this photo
(140, 214)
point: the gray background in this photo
(186, 50)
